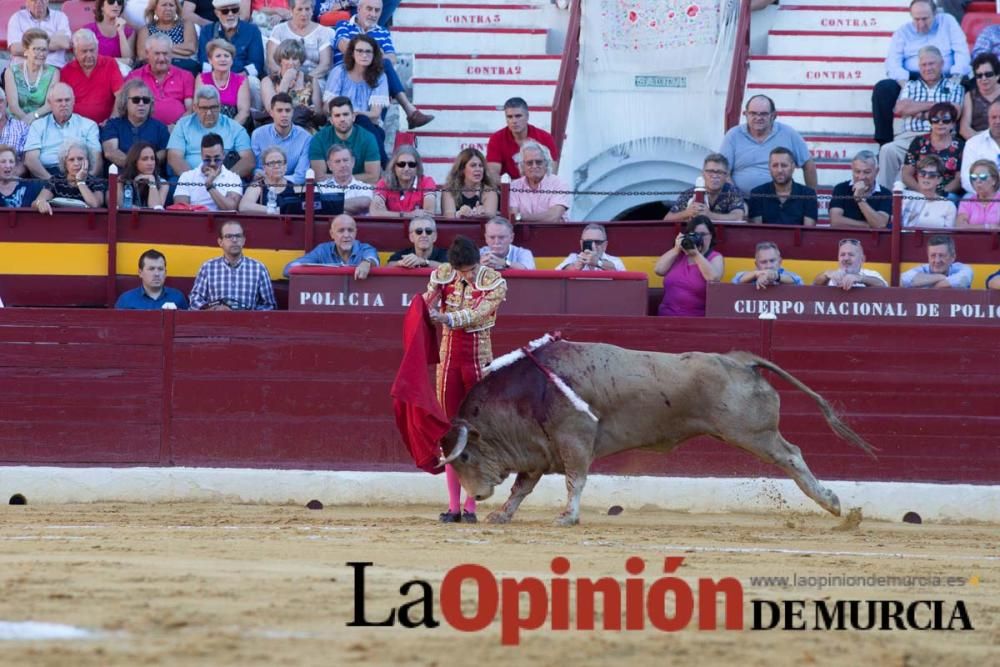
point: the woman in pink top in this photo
(404, 191)
(688, 267)
(115, 38)
(980, 210)
(234, 90)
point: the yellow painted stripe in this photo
(89, 259)
(53, 259)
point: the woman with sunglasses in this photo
(469, 191)
(404, 191)
(985, 67)
(942, 142)
(255, 199)
(234, 89)
(164, 16)
(924, 206)
(27, 84)
(981, 209)
(142, 176)
(115, 37)
(361, 77)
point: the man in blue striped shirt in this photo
(233, 281)
(366, 21)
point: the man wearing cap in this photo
(243, 35)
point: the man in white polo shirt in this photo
(210, 184)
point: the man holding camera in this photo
(592, 255)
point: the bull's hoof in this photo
(498, 517)
(567, 520)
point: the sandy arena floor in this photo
(218, 584)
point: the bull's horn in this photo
(463, 437)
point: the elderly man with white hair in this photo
(47, 135)
(538, 195)
(36, 14)
(95, 79)
(172, 87)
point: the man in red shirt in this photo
(95, 79)
(504, 148)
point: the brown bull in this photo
(515, 420)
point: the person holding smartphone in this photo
(592, 255)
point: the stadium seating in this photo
(973, 23)
(7, 9)
(79, 13)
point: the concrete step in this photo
(503, 67)
(828, 43)
(811, 70)
(833, 18)
(459, 91)
(796, 97)
(838, 147)
(478, 118)
(828, 174)
(437, 167)
(450, 143)
(467, 15)
(410, 39)
(856, 123)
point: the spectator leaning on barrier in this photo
(172, 87)
(993, 281)
(210, 184)
(986, 70)
(357, 195)
(47, 136)
(917, 99)
(981, 209)
(983, 146)
(272, 183)
(152, 294)
(184, 146)
(767, 260)
(404, 191)
(134, 122)
(748, 147)
(95, 79)
(38, 15)
(592, 255)
(722, 200)
(688, 267)
(343, 250)
(469, 190)
(861, 202)
(500, 253)
(902, 63)
(783, 201)
(15, 192)
(941, 270)
(539, 195)
(423, 253)
(503, 150)
(850, 271)
(343, 131)
(924, 207)
(74, 183)
(282, 133)
(233, 281)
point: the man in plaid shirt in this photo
(233, 281)
(914, 102)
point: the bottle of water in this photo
(272, 202)
(127, 196)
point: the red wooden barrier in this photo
(310, 390)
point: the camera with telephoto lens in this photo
(691, 240)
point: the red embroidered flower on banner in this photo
(693, 10)
(633, 16)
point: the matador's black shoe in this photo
(469, 517)
(450, 517)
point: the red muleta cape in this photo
(419, 417)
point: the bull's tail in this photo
(832, 418)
